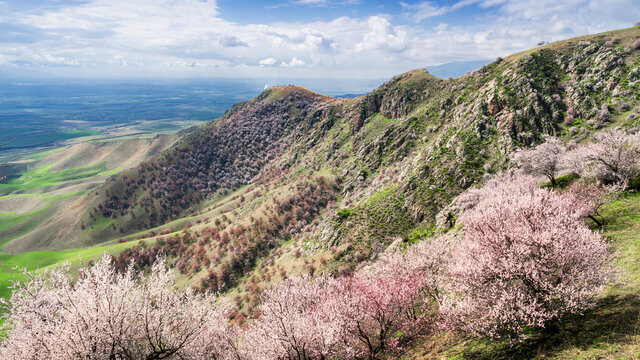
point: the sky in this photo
(288, 38)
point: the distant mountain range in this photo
(456, 69)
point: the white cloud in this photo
(120, 61)
(441, 27)
(423, 10)
(428, 9)
(56, 60)
(268, 61)
(295, 62)
(383, 36)
(4, 59)
(191, 36)
(231, 41)
(316, 3)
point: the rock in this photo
(396, 246)
(493, 107)
(603, 115)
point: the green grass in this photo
(45, 197)
(43, 177)
(43, 259)
(375, 127)
(622, 226)
(12, 227)
(8, 220)
(43, 154)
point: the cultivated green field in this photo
(10, 265)
(26, 142)
(44, 178)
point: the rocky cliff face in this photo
(420, 140)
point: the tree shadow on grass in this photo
(614, 321)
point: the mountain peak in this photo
(292, 91)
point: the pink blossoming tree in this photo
(370, 314)
(525, 260)
(300, 319)
(545, 159)
(106, 315)
(614, 157)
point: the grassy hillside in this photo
(42, 197)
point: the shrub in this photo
(108, 315)
(345, 213)
(543, 160)
(526, 259)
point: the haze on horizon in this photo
(283, 38)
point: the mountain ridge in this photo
(509, 101)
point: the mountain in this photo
(346, 177)
(295, 182)
(398, 154)
(457, 68)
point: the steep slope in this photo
(41, 206)
(340, 180)
(293, 182)
(223, 155)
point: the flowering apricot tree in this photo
(542, 160)
(526, 259)
(387, 306)
(107, 315)
(300, 319)
(369, 314)
(613, 157)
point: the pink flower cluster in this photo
(526, 259)
(370, 314)
(613, 158)
(107, 315)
